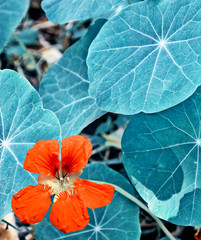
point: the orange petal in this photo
(43, 158)
(94, 195)
(75, 153)
(68, 213)
(31, 203)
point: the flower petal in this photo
(75, 153)
(68, 213)
(31, 203)
(43, 158)
(73, 176)
(94, 195)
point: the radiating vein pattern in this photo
(23, 122)
(11, 13)
(161, 154)
(119, 220)
(147, 58)
(64, 88)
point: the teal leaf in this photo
(161, 155)
(64, 88)
(23, 122)
(63, 11)
(15, 50)
(122, 120)
(96, 140)
(149, 56)
(119, 220)
(104, 127)
(28, 36)
(11, 13)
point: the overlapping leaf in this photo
(119, 220)
(147, 58)
(64, 88)
(161, 154)
(63, 11)
(23, 122)
(11, 13)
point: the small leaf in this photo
(15, 50)
(149, 55)
(119, 220)
(122, 120)
(64, 88)
(11, 13)
(28, 36)
(63, 11)
(96, 140)
(161, 154)
(104, 127)
(23, 122)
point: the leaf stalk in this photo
(16, 228)
(141, 205)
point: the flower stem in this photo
(143, 206)
(18, 229)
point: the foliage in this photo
(166, 146)
(11, 13)
(119, 220)
(23, 121)
(138, 58)
(68, 77)
(150, 59)
(63, 11)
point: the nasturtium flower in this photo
(60, 178)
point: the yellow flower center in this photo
(61, 182)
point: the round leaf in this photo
(23, 122)
(64, 88)
(149, 55)
(161, 154)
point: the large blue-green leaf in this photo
(11, 13)
(119, 220)
(63, 11)
(147, 58)
(23, 122)
(64, 88)
(161, 154)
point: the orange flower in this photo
(72, 195)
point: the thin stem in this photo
(22, 45)
(75, 26)
(16, 228)
(107, 145)
(99, 149)
(143, 206)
